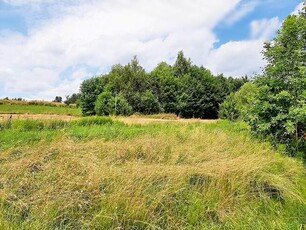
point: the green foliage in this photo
(104, 105)
(245, 98)
(182, 65)
(229, 109)
(149, 103)
(39, 125)
(89, 121)
(90, 89)
(184, 89)
(199, 94)
(166, 86)
(121, 106)
(238, 105)
(73, 99)
(279, 108)
(58, 99)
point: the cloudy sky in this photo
(48, 47)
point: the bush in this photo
(150, 104)
(104, 105)
(229, 108)
(121, 105)
(237, 106)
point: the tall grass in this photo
(102, 174)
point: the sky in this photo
(48, 47)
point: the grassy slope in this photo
(57, 175)
(39, 109)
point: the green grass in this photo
(96, 173)
(39, 109)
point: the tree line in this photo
(184, 89)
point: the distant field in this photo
(38, 109)
(96, 173)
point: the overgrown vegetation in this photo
(96, 173)
(237, 105)
(183, 89)
(275, 106)
(101, 173)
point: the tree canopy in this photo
(279, 111)
(184, 89)
(275, 106)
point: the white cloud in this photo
(298, 8)
(22, 2)
(80, 73)
(237, 58)
(264, 28)
(82, 36)
(241, 10)
(65, 88)
(101, 33)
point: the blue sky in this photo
(264, 9)
(48, 47)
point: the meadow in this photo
(102, 173)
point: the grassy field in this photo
(96, 173)
(38, 109)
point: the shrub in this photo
(237, 106)
(229, 108)
(104, 105)
(149, 102)
(121, 106)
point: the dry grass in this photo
(5, 117)
(138, 120)
(127, 120)
(183, 176)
